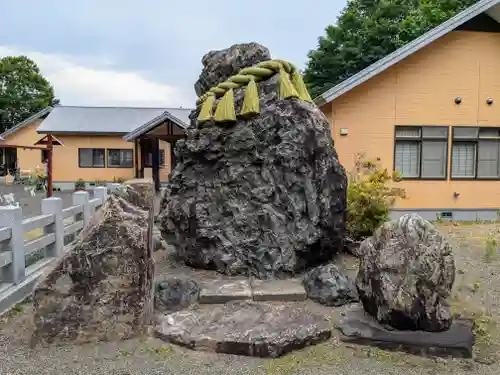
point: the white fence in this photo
(23, 260)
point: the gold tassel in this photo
(251, 102)
(287, 90)
(299, 84)
(206, 108)
(225, 108)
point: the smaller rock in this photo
(329, 286)
(175, 294)
(406, 274)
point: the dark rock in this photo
(265, 196)
(329, 286)
(220, 65)
(457, 341)
(176, 294)
(256, 329)
(406, 274)
(101, 288)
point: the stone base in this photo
(362, 329)
(249, 328)
(278, 290)
(222, 291)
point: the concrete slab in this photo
(278, 290)
(222, 291)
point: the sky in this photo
(148, 53)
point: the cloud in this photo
(97, 81)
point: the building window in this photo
(45, 155)
(420, 152)
(475, 153)
(91, 158)
(118, 158)
(148, 162)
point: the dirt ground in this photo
(476, 293)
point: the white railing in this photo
(22, 259)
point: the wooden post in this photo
(156, 163)
(143, 158)
(49, 166)
(136, 158)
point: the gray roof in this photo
(489, 6)
(105, 120)
(28, 121)
(178, 116)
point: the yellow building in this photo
(431, 110)
(98, 144)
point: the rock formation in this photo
(406, 273)
(329, 286)
(262, 194)
(101, 288)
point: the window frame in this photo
(419, 141)
(475, 140)
(120, 150)
(91, 148)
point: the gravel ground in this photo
(476, 293)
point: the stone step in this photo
(260, 329)
(221, 291)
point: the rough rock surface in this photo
(101, 288)
(175, 294)
(406, 274)
(266, 195)
(245, 328)
(220, 65)
(329, 286)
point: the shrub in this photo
(119, 180)
(370, 195)
(80, 184)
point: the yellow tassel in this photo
(206, 108)
(225, 108)
(251, 102)
(299, 84)
(287, 90)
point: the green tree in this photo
(368, 30)
(23, 90)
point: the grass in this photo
(490, 250)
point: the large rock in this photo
(263, 195)
(101, 288)
(329, 286)
(406, 274)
